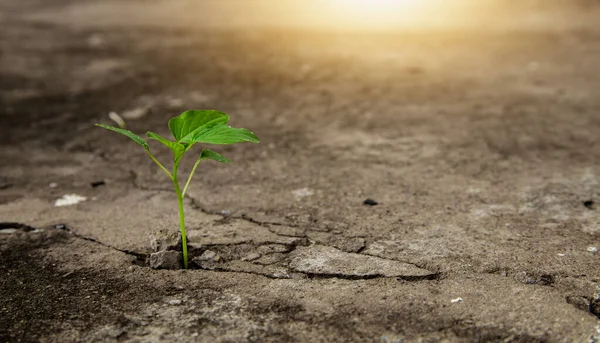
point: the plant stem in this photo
(190, 177)
(181, 217)
(159, 164)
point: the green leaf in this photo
(139, 140)
(211, 155)
(186, 124)
(222, 134)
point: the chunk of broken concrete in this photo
(208, 260)
(164, 240)
(209, 255)
(328, 261)
(165, 260)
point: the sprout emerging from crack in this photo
(189, 128)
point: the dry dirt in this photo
(480, 145)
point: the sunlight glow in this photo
(375, 5)
(376, 13)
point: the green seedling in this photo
(189, 128)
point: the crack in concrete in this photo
(196, 205)
(64, 227)
(360, 251)
(438, 274)
(252, 220)
(415, 278)
(282, 234)
(343, 276)
(411, 278)
(315, 276)
(225, 270)
(141, 257)
(291, 246)
(4, 186)
(14, 225)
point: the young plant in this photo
(189, 128)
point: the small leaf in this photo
(185, 125)
(211, 155)
(174, 146)
(139, 140)
(223, 134)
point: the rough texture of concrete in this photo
(479, 143)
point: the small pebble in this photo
(95, 41)
(302, 192)
(53, 185)
(114, 116)
(174, 102)
(457, 300)
(593, 250)
(209, 255)
(69, 199)
(561, 255)
(370, 202)
(175, 302)
(135, 113)
(98, 183)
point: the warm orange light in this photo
(375, 5)
(384, 13)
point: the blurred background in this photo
(340, 84)
(328, 14)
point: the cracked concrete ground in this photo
(480, 147)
